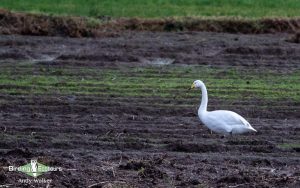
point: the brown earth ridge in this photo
(47, 25)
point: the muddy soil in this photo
(130, 142)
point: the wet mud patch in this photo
(249, 142)
(19, 152)
(179, 146)
(144, 168)
(235, 179)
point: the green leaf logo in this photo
(34, 169)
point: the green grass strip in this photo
(159, 8)
(165, 82)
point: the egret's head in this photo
(197, 84)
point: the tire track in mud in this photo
(148, 141)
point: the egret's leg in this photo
(231, 138)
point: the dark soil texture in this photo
(107, 141)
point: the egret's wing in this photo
(245, 122)
(228, 118)
(216, 120)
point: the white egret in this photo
(220, 121)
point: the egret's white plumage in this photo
(220, 121)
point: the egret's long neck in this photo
(204, 100)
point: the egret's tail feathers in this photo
(252, 129)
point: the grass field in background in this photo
(158, 8)
(151, 81)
